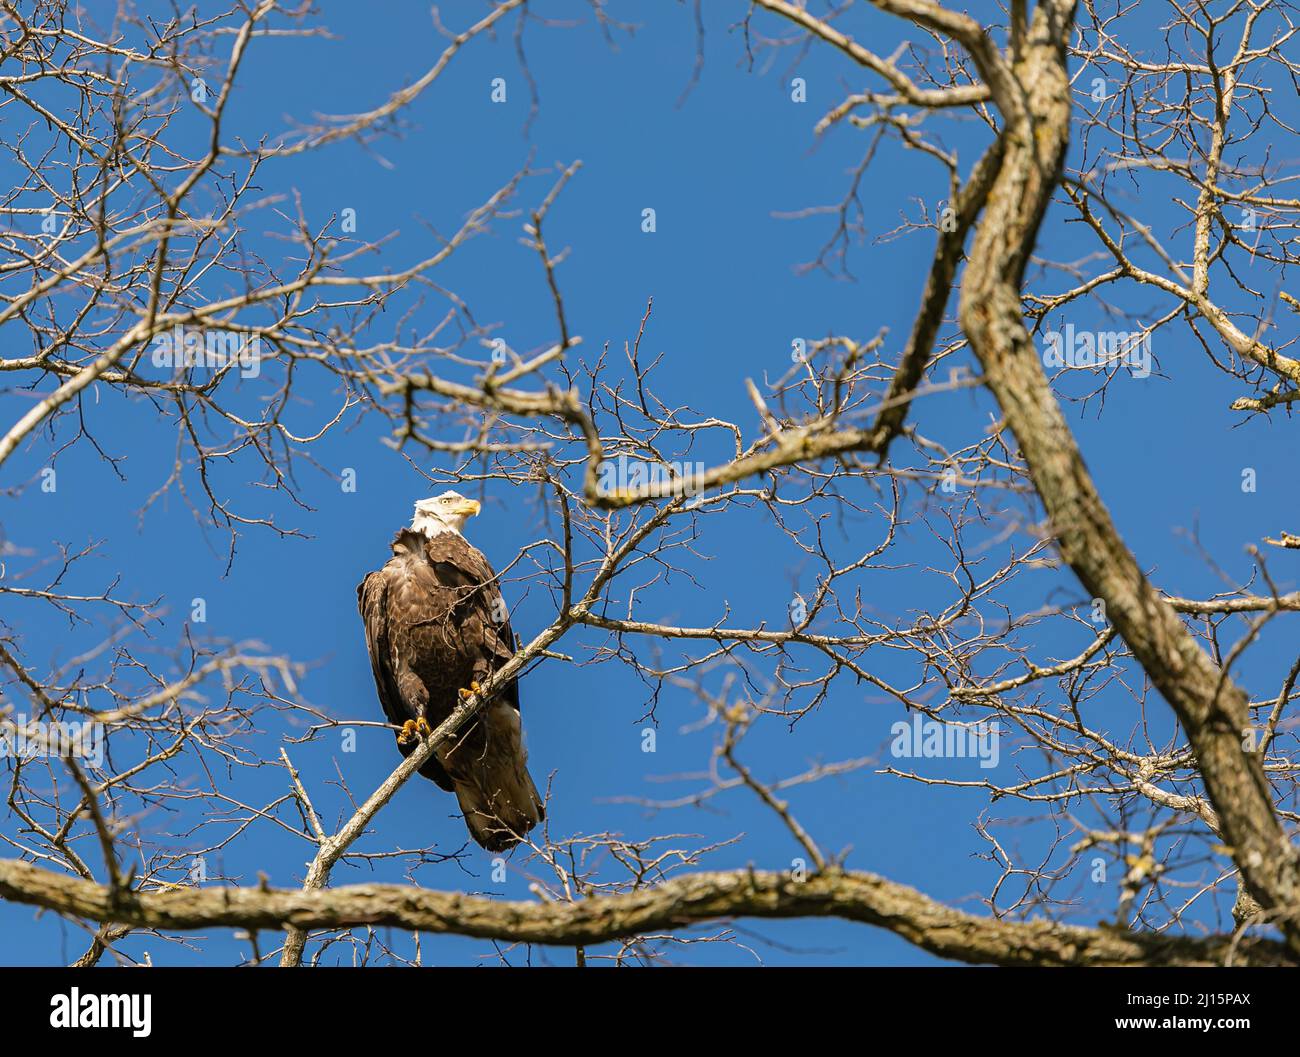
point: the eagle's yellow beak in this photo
(468, 507)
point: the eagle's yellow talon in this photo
(409, 732)
(423, 728)
(474, 688)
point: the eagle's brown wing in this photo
(488, 763)
(478, 610)
(373, 604)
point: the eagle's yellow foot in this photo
(422, 727)
(474, 688)
(409, 732)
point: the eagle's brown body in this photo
(435, 624)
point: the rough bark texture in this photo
(674, 904)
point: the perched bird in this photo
(436, 626)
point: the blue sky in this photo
(721, 267)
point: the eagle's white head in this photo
(444, 513)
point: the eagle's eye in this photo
(444, 502)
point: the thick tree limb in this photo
(1210, 706)
(674, 904)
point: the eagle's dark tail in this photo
(500, 807)
(496, 794)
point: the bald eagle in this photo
(436, 625)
